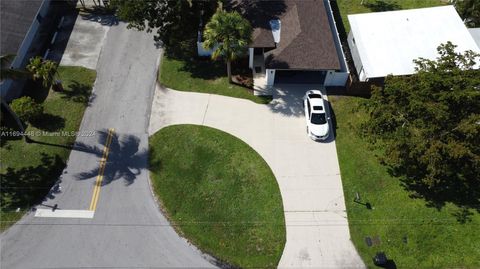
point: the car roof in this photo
(317, 102)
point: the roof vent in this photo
(276, 26)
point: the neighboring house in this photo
(294, 41)
(475, 32)
(385, 43)
(19, 24)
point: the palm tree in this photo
(11, 73)
(43, 70)
(228, 34)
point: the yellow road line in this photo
(101, 170)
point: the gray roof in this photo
(475, 32)
(16, 17)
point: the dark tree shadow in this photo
(208, 69)
(463, 215)
(102, 15)
(125, 159)
(464, 193)
(259, 13)
(36, 90)
(27, 186)
(382, 5)
(49, 122)
(77, 92)
(288, 100)
(58, 48)
(204, 68)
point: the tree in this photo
(43, 70)
(469, 10)
(27, 109)
(12, 73)
(173, 21)
(228, 34)
(429, 124)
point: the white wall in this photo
(203, 52)
(250, 57)
(339, 77)
(270, 73)
(356, 56)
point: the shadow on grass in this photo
(382, 5)
(204, 68)
(49, 122)
(26, 186)
(463, 193)
(36, 90)
(77, 92)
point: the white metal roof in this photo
(388, 42)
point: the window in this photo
(319, 118)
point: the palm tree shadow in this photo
(125, 159)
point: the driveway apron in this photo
(307, 172)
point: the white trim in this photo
(63, 213)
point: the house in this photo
(385, 43)
(293, 41)
(19, 25)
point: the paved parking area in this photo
(84, 42)
(307, 172)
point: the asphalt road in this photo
(127, 230)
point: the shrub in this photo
(43, 70)
(27, 109)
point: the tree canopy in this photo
(429, 124)
(469, 10)
(228, 34)
(173, 21)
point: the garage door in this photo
(299, 77)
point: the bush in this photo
(27, 109)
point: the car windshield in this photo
(319, 118)
(314, 95)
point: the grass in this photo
(205, 76)
(220, 194)
(28, 170)
(348, 7)
(434, 238)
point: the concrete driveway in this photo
(307, 172)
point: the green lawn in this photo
(348, 7)
(434, 238)
(29, 170)
(205, 76)
(219, 193)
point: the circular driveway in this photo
(307, 172)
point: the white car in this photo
(315, 115)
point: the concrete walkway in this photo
(307, 172)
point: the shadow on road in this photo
(125, 158)
(288, 100)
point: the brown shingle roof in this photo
(306, 39)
